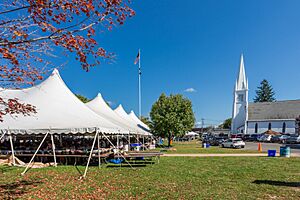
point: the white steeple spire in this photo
(240, 101)
(241, 83)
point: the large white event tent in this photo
(122, 113)
(58, 111)
(99, 106)
(138, 121)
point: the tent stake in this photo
(34, 154)
(91, 153)
(53, 148)
(12, 149)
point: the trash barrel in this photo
(207, 145)
(271, 153)
(285, 152)
(204, 145)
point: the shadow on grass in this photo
(277, 183)
(126, 166)
(16, 189)
(4, 169)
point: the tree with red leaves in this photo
(31, 30)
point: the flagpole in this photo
(140, 95)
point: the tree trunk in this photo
(169, 140)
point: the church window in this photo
(270, 126)
(256, 128)
(240, 97)
(283, 127)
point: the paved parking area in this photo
(266, 146)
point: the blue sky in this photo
(197, 44)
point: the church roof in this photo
(289, 109)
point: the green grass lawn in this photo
(195, 147)
(172, 178)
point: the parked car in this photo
(213, 141)
(254, 137)
(276, 139)
(279, 138)
(283, 138)
(216, 141)
(265, 138)
(246, 137)
(236, 136)
(293, 139)
(233, 143)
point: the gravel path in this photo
(224, 155)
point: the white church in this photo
(257, 118)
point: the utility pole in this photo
(202, 125)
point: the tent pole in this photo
(118, 145)
(99, 159)
(3, 133)
(115, 147)
(60, 140)
(53, 148)
(90, 156)
(129, 141)
(143, 143)
(34, 154)
(12, 148)
(2, 136)
(137, 139)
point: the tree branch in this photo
(16, 9)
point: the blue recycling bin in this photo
(271, 153)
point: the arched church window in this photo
(283, 127)
(270, 126)
(256, 128)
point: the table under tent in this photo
(63, 127)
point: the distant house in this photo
(256, 118)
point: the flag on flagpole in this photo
(137, 58)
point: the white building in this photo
(256, 118)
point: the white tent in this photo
(99, 106)
(122, 113)
(192, 134)
(58, 111)
(141, 124)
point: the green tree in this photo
(264, 92)
(226, 124)
(172, 115)
(82, 98)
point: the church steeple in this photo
(241, 82)
(240, 101)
